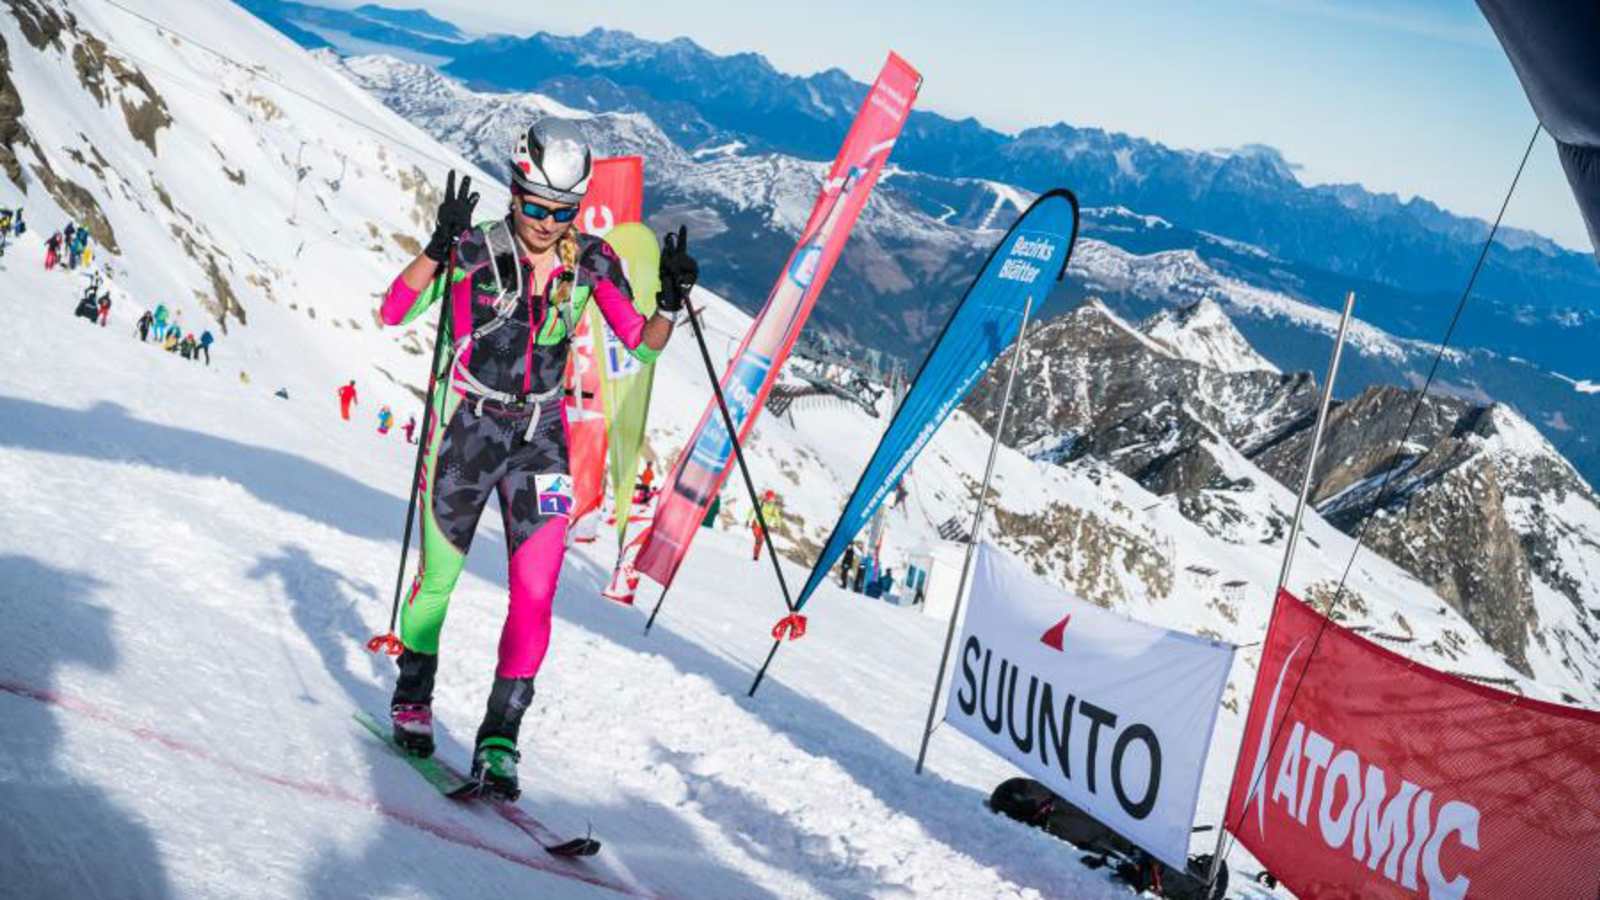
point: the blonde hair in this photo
(567, 250)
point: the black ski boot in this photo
(494, 764)
(411, 708)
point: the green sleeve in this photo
(430, 295)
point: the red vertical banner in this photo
(616, 195)
(703, 466)
(1365, 774)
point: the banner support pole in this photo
(977, 525)
(659, 600)
(738, 452)
(1294, 529)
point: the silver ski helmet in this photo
(552, 161)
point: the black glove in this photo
(679, 272)
(455, 216)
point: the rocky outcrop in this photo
(1475, 503)
(1105, 563)
(1094, 385)
(143, 109)
(42, 27)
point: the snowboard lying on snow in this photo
(1032, 803)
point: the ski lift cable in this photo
(261, 73)
(208, 93)
(1383, 494)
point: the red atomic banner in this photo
(1365, 774)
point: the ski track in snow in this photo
(198, 563)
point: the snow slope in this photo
(191, 564)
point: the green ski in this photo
(432, 771)
(456, 786)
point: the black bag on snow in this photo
(1032, 803)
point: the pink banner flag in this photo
(702, 467)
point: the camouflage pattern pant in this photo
(474, 454)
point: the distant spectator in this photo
(410, 429)
(206, 341)
(88, 308)
(710, 520)
(52, 251)
(105, 309)
(19, 227)
(771, 514)
(641, 488)
(159, 321)
(847, 566)
(347, 399)
(385, 419)
(143, 325)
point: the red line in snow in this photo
(455, 835)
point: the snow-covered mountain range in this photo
(1340, 232)
(192, 562)
(922, 235)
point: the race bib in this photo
(555, 494)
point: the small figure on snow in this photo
(105, 309)
(772, 513)
(847, 566)
(710, 520)
(385, 419)
(143, 325)
(206, 340)
(410, 429)
(347, 399)
(641, 489)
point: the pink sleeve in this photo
(617, 307)
(398, 302)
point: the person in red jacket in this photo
(347, 399)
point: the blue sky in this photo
(1408, 96)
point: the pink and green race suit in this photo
(499, 425)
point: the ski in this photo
(450, 782)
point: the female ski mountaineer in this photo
(519, 285)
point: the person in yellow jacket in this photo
(772, 512)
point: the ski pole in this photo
(390, 642)
(744, 470)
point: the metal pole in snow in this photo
(1316, 440)
(1294, 529)
(972, 539)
